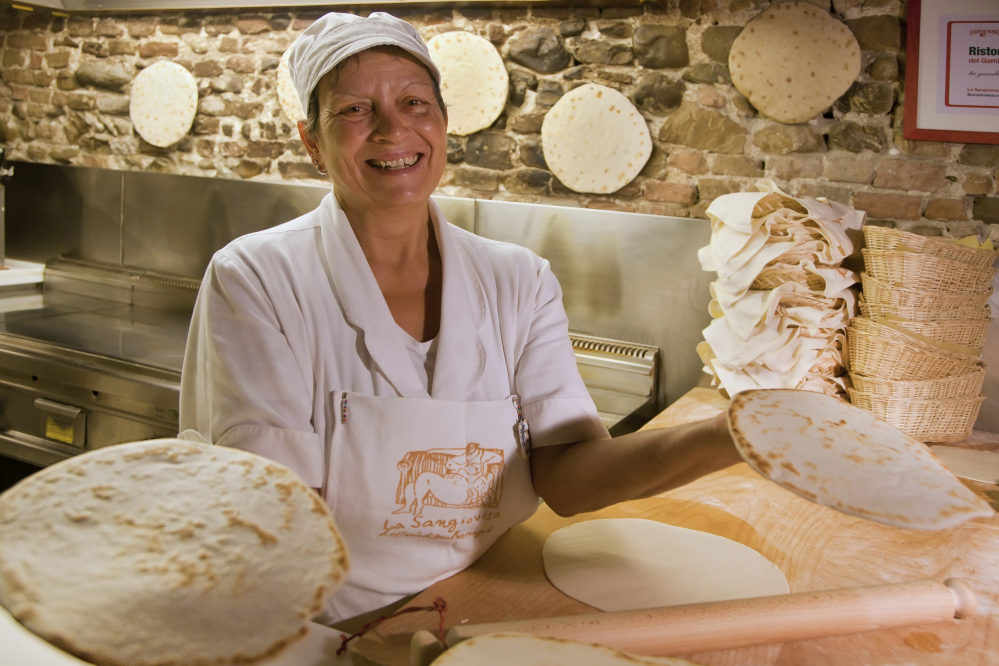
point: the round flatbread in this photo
(167, 552)
(841, 456)
(530, 650)
(595, 140)
(793, 61)
(164, 102)
(629, 564)
(474, 82)
(287, 96)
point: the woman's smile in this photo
(396, 165)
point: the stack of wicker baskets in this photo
(915, 353)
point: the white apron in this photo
(419, 489)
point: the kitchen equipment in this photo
(722, 625)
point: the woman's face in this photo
(381, 134)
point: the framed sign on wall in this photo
(952, 71)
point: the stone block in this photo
(110, 76)
(241, 64)
(252, 26)
(708, 72)
(269, 63)
(614, 29)
(109, 28)
(901, 174)
(141, 27)
(27, 40)
(20, 76)
(279, 22)
(477, 179)
(665, 192)
(657, 93)
(872, 98)
(986, 209)
(716, 41)
(98, 49)
(655, 167)
(878, 33)
(689, 161)
(265, 149)
(219, 25)
(495, 33)
(884, 68)
(118, 47)
(490, 150)
(228, 83)
(80, 101)
(712, 188)
(208, 68)
(708, 96)
(455, 149)
(671, 210)
(848, 168)
(600, 52)
(212, 106)
(979, 154)
(811, 189)
(297, 170)
(621, 11)
(659, 46)
(229, 45)
(527, 181)
(159, 49)
(248, 169)
(527, 123)
(541, 50)
(946, 209)
(692, 126)
(549, 92)
(784, 139)
(735, 165)
(572, 28)
(976, 183)
(63, 154)
(603, 204)
(789, 167)
(114, 105)
(204, 125)
(892, 206)
(532, 154)
(845, 135)
(16, 58)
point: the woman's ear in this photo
(312, 146)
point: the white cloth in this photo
(289, 315)
(423, 355)
(335, 37)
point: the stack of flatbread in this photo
(782, 301)
(915, 351)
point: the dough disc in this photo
(630, 563)
(529, 650)
(474, 82)
(291, 106)
(167, 553)
(164, 102)
(980, 466)
(793, 61)
(595, 140)
(841, 456)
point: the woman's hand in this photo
(587, 476)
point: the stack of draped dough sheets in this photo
(782, 302)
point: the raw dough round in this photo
(291, 106)
(841, 456)
(595, 140)
(982, 466)
(164, 102)
(474, 82)
(629, 563)
(168, 553)
(793, 61)
(529, 650)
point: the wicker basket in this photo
(970, 333)
(882, 352)
(927, 314)
(880, 238)
(960, 386)
(771, 278)
(881, 293)
(924, 271)
(926, 420)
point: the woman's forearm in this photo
(586, 476)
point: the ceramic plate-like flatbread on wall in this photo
(164, 101)
(630, 563)
(474, 82)
(595, 140)
(841, 456)
(793, 61)
(168, 553)
(286, 93)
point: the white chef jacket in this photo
(289, 315)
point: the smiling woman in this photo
(394, 361)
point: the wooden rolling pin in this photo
(720, 625)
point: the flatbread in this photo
(167, 552)
(980, 466)
(474, 82)
(844, 457)
(530, 650)
(595, 140)
(164, 102)
(793, 61)
(287, 96)
(630, 563)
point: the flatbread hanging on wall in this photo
(164, 102)
(793, 61)
(595, 140)
(630, 563)
(167, 553)
(291, 106)
(844, 457)
(474, 82)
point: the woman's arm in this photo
(587, 476)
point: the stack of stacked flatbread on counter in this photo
(915, 353)
(782, 301)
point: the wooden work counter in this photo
(817, 548)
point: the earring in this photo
(320, 169)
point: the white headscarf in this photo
(335, 37)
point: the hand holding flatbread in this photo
(167, 552)
(844, 457)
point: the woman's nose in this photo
(391, 124)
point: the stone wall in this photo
(64, 99)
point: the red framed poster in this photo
(952, 71)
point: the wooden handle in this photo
(739, 623)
